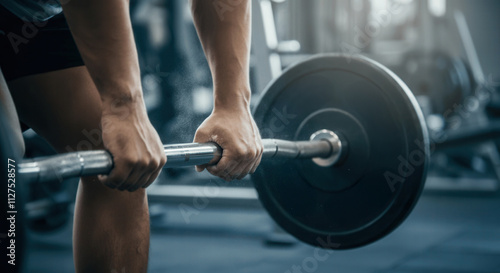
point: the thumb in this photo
(102, 178)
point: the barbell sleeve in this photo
(296, 149)
(64, 166)
(84, 163)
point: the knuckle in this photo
(253, 153)
(147, 156)
(160, 162)
(154, 164)
(160, 156)
(143, 162)
(248, 157)
(163, 161)
(240, 152)
(261, 149)
(128, 161)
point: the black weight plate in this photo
(446, 80)
(378, 183)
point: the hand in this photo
(237, 134)
(136, 148)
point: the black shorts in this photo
(28, 48)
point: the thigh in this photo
(62, 106)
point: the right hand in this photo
(235, 131)
(137, 151)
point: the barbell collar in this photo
(338, 148)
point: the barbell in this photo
(86, 163)
(345, 152)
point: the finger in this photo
(200, 168)
(229, 170)
(134, 185)
(253, 162)
(157, 171)
(152, 174)
(240, 169)
(245, 170)
(132, 188)
(102, 178)
(224, 168)
(255, 165)
(116, 177)
(257, 161)
(245, 167)
(140, 172)
(154, 169)
(152, 178)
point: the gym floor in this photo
(445, 233)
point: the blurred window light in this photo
(385, 4)
(269, 27)
(379, 4)
(291, 46)
(396, 10)
(437, 7)
(202, 100)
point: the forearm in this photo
(103, 34)
(225, 38)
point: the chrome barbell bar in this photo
(85, 163)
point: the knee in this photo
(91, 187)
(20, 144)
(14, 136)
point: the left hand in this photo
(236, 132)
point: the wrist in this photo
(236, 99)
(123, 104)
(117, 93)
